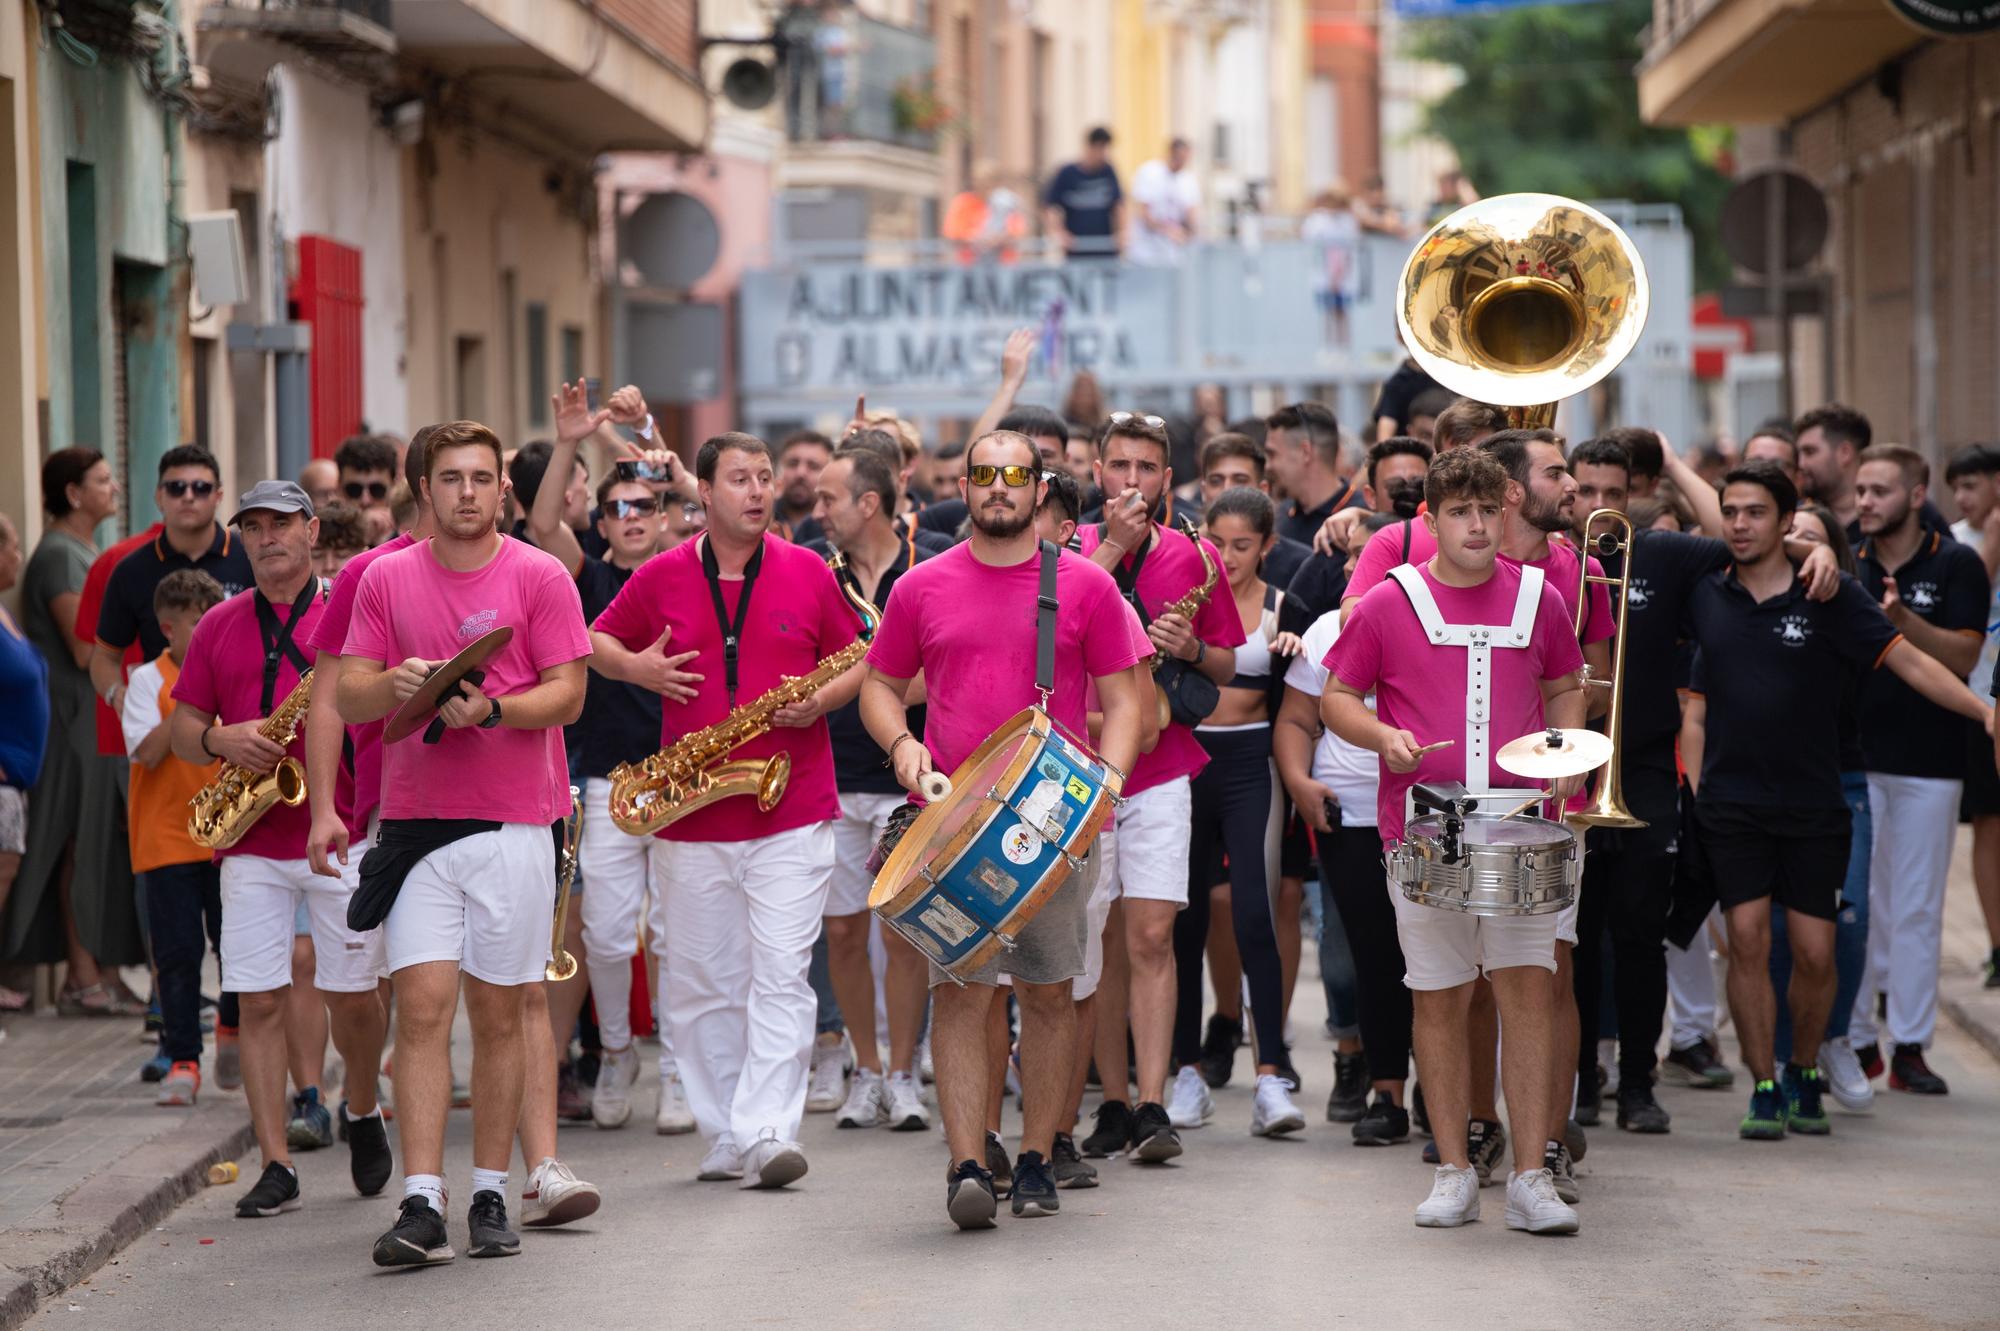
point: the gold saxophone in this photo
(693, 771)
(227, 807)
(1185, 607)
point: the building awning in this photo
(1764, 61)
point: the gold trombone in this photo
(562, 965)
(1607, 805)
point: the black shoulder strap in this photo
(1045, 622)
(1128, 578)
(1408, 524)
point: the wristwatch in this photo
(492, 721)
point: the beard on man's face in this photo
(1545, 515)
(1001, 523)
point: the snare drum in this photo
(1503, 866)
(976, 866)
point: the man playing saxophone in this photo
(748, 874)
(1167, 573)
(246, 655)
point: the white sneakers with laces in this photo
(1845, 1081)
(722, 1162)
(828, 1085)
(867, 1101)
(555, 1196)
(1189, 1104)
(611, 1098)
(672, 1116)
(906, 1109)
(1273, 1114)
(1454, 1199)
(1533, 1205)
(771, 1163)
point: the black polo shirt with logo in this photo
(127, 613)
(1904, 733)
(1774, 672)
(1666, 567)
(1302, 524)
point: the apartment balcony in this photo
(243, 38)
(861, 106)
(1761, 61)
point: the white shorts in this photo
(1154, 827)
(485, 902)
(260, 899)
(1102, 893)
(619, 870)
(1443, 949)
(860, 825)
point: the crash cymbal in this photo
(1554, 753)
(421, 706)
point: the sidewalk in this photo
(1961, 972)
(87, 1162)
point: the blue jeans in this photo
(1850, 929)
(829, 1021)
(180, 899)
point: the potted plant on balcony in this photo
(917, 108)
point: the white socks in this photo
(489, 1180)
(428, 1186)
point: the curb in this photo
(115, 1206)
(1976, 1010)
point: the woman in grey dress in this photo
(73, 899)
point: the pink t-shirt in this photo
(1420, 687)
(970, 627)
(797, 617)
(1173, 569)
(1384, 551)
(409, 605)
(329, 634)
(224, 676)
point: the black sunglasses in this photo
(181, 489)
(630, 508)
(373, 489)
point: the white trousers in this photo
(1691, 987)
(1916, 818)
(617, 890)
(739, 919)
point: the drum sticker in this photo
(1078, 791)
(1052, 769)
(1041, 801)
(1021, 844)
(947, 921)
(998, 885)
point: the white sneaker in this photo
(611, 1098)
(867, 1102)
(723, 1161)
(1532, 1204)
(554, 1196)
(1273, 1114)
(1845, 1080)
(906, 1110)
(1188, 1102)
(770, 1163)
(828, 1086)
(925, 1069)
(1607, 1059)
(1454, 1199)
(673, 1116)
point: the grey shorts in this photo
(13, 821)
(1050, 950)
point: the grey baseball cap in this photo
(277, 496)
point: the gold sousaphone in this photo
(1522, 300)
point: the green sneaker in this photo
(1805, 1112)
(1766, 1119)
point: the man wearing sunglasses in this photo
(1153, 566)
(367, 464)
(190, 488)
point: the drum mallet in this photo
(933, 786)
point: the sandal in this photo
(95, 1000)
(13, 1000)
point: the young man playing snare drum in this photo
(967, 621)
(1406, 642)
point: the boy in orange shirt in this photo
(178, 877)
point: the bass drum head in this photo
(933, 837)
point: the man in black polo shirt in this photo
(1765, 763)
(857, 510)
(1935, 592)
(190, 488)
(1302, 450)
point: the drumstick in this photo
(1433, 748)
(1527, 805)
(933, 786)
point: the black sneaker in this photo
(1113, 1132)
(1574, 1140)
(1349, 1101)
(1383, 1123)
(1287, 1073)
(968, 1197)
(1698, 1066)
(1909, 1072)
(1154, 1140)
(1638, 1111)
(998, 1165)
(1218, 1049)
(1589, 1100)
(277, 1191)
(1870, 1058)
(1486, 1145)
(418, 1238)
(368, 1158)
(1805, 1110)
(1562, 1166)
(1420, 1119)
(487, 1221)
(1072, 1171)
(1034, 1189)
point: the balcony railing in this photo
(855, 77)
(332, 28)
